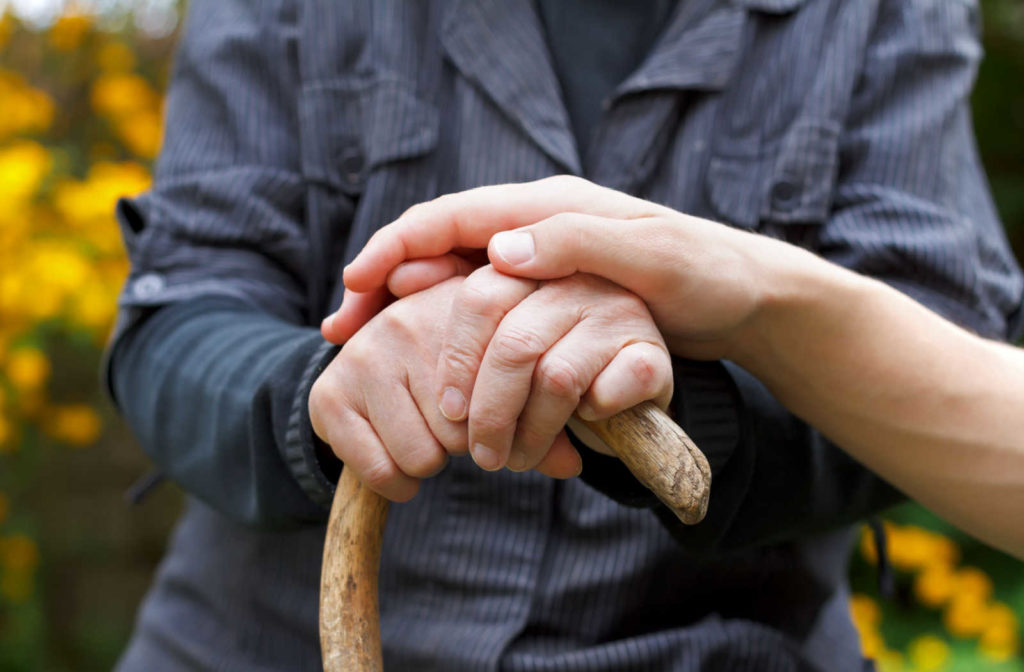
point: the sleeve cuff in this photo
(310, 460)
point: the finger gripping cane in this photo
(648, 442)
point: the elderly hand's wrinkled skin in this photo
(509, 359)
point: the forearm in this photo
(211, 388)
(930, 407)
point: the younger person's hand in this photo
(703, 282)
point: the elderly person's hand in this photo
(513, 358)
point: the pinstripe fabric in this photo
(296, 129)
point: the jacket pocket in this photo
(350, 127)
(788, 181)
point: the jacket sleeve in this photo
(212, 357)
(910, 207)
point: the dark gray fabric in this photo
(594, 45)
(216, 371)
(297, 129)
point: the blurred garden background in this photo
(80, 120)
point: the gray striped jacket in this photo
(295, 129)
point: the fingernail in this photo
(586, 412)
(579, 464)
(485, 457)
(326, 322)
(517, 461)
(514, 247)
(453, 404)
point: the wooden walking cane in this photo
(651, 445)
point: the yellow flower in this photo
(872, 645)
(972, 581)
(75, 424)
(25, 109)
(58, 263)
(115, 57)
(999, 642)
(866, 617)
(68, 31)
(142, 133)
(117, 95)
(890, 661)
(18, 553)
(864, 611)
(928, 653)
(999, 614)
(912, 548)
(965, 616)
(935, 585)
(27, 368)
(23, 165)
(94, 308)
(86, 202)
(942, 551)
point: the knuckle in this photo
(491, 424)
(325, 405)
(425, 463)
(563, 220)
(380, 474)
(515, 347)
(651, 367)
(559, 182)
(458, 361)
(476, 296)
(533, 439)
(417, 209)
(559, 378)
(317, 396)
(643, 369)
(394, 321)
(631, 305)
(358, 350)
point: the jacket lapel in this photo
(500, 46)
(699, 51)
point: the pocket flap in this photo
(804, 174)
(788, 181)
(349, 127)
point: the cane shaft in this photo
(650, 444)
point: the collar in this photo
(500, 46)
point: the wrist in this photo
(798, 294)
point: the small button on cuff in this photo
(148, 285)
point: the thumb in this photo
(618, 250)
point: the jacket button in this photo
(784, 195)
(351, 164)
(147, 286)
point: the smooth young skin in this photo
(535, 350)
(932, 408)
